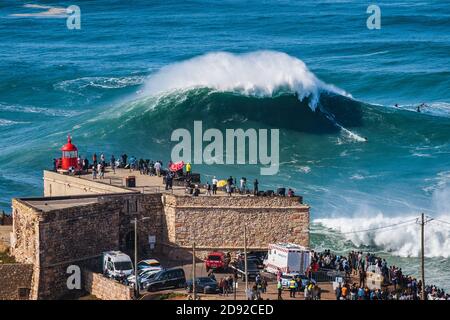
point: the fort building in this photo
(78, 218)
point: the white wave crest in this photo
(402, 240)
(75, 85)
(399, 235)
(260, 74)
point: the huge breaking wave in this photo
(259, 74)
(267, 87)
(273, 89)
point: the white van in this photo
(117, 265)
(287, 257)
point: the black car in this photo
(167, 279)
(252, 268)
(258, 257)
(203, 285)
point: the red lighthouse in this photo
(69, 155)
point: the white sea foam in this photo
(5, 122)
(75, 85)
(304, 169)
(32, 109)
(402, 240)
(351, 135)
(441, 109)
(260, 74)
(439, 182)
(49, 12)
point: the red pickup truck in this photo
(216, 260)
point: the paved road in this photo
(271, 294)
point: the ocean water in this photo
(136, 70)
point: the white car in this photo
(144, 277)
(287, 277)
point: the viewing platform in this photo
(116, 182)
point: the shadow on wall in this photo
(5, 219)
(15, 281)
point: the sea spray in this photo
(399, 235)
(259, 73)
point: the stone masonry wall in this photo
(15, 281)
(53, 240)
(148, 209)
(104, 288)
(217, 222)
(73, 236)
(25, 240)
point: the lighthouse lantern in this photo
(69, 155)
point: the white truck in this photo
(117, 265)
(287, 257)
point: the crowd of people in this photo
(156, 168)
(395, 285)
(310, 290)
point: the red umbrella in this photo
(174, 167)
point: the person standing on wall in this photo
(208, 189)
(229, 185)
(113, 164)
(214, 185)
(188, 169)
(255, 187)
(157, 167)
(94, 161)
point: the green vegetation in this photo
(5, 257)
(171, 295)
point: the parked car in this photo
(144, 277)
(216, 261)
(286, 277)
(167, 279)
(203, 285)
(252, 268)
(149, 264)
(259, 256)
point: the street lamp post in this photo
(245, 259)
(136, 276)
(136, 280)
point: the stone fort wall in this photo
(15, 281)
(218, 222)
(104, 288)
(51, 240)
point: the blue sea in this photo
(136, 70)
